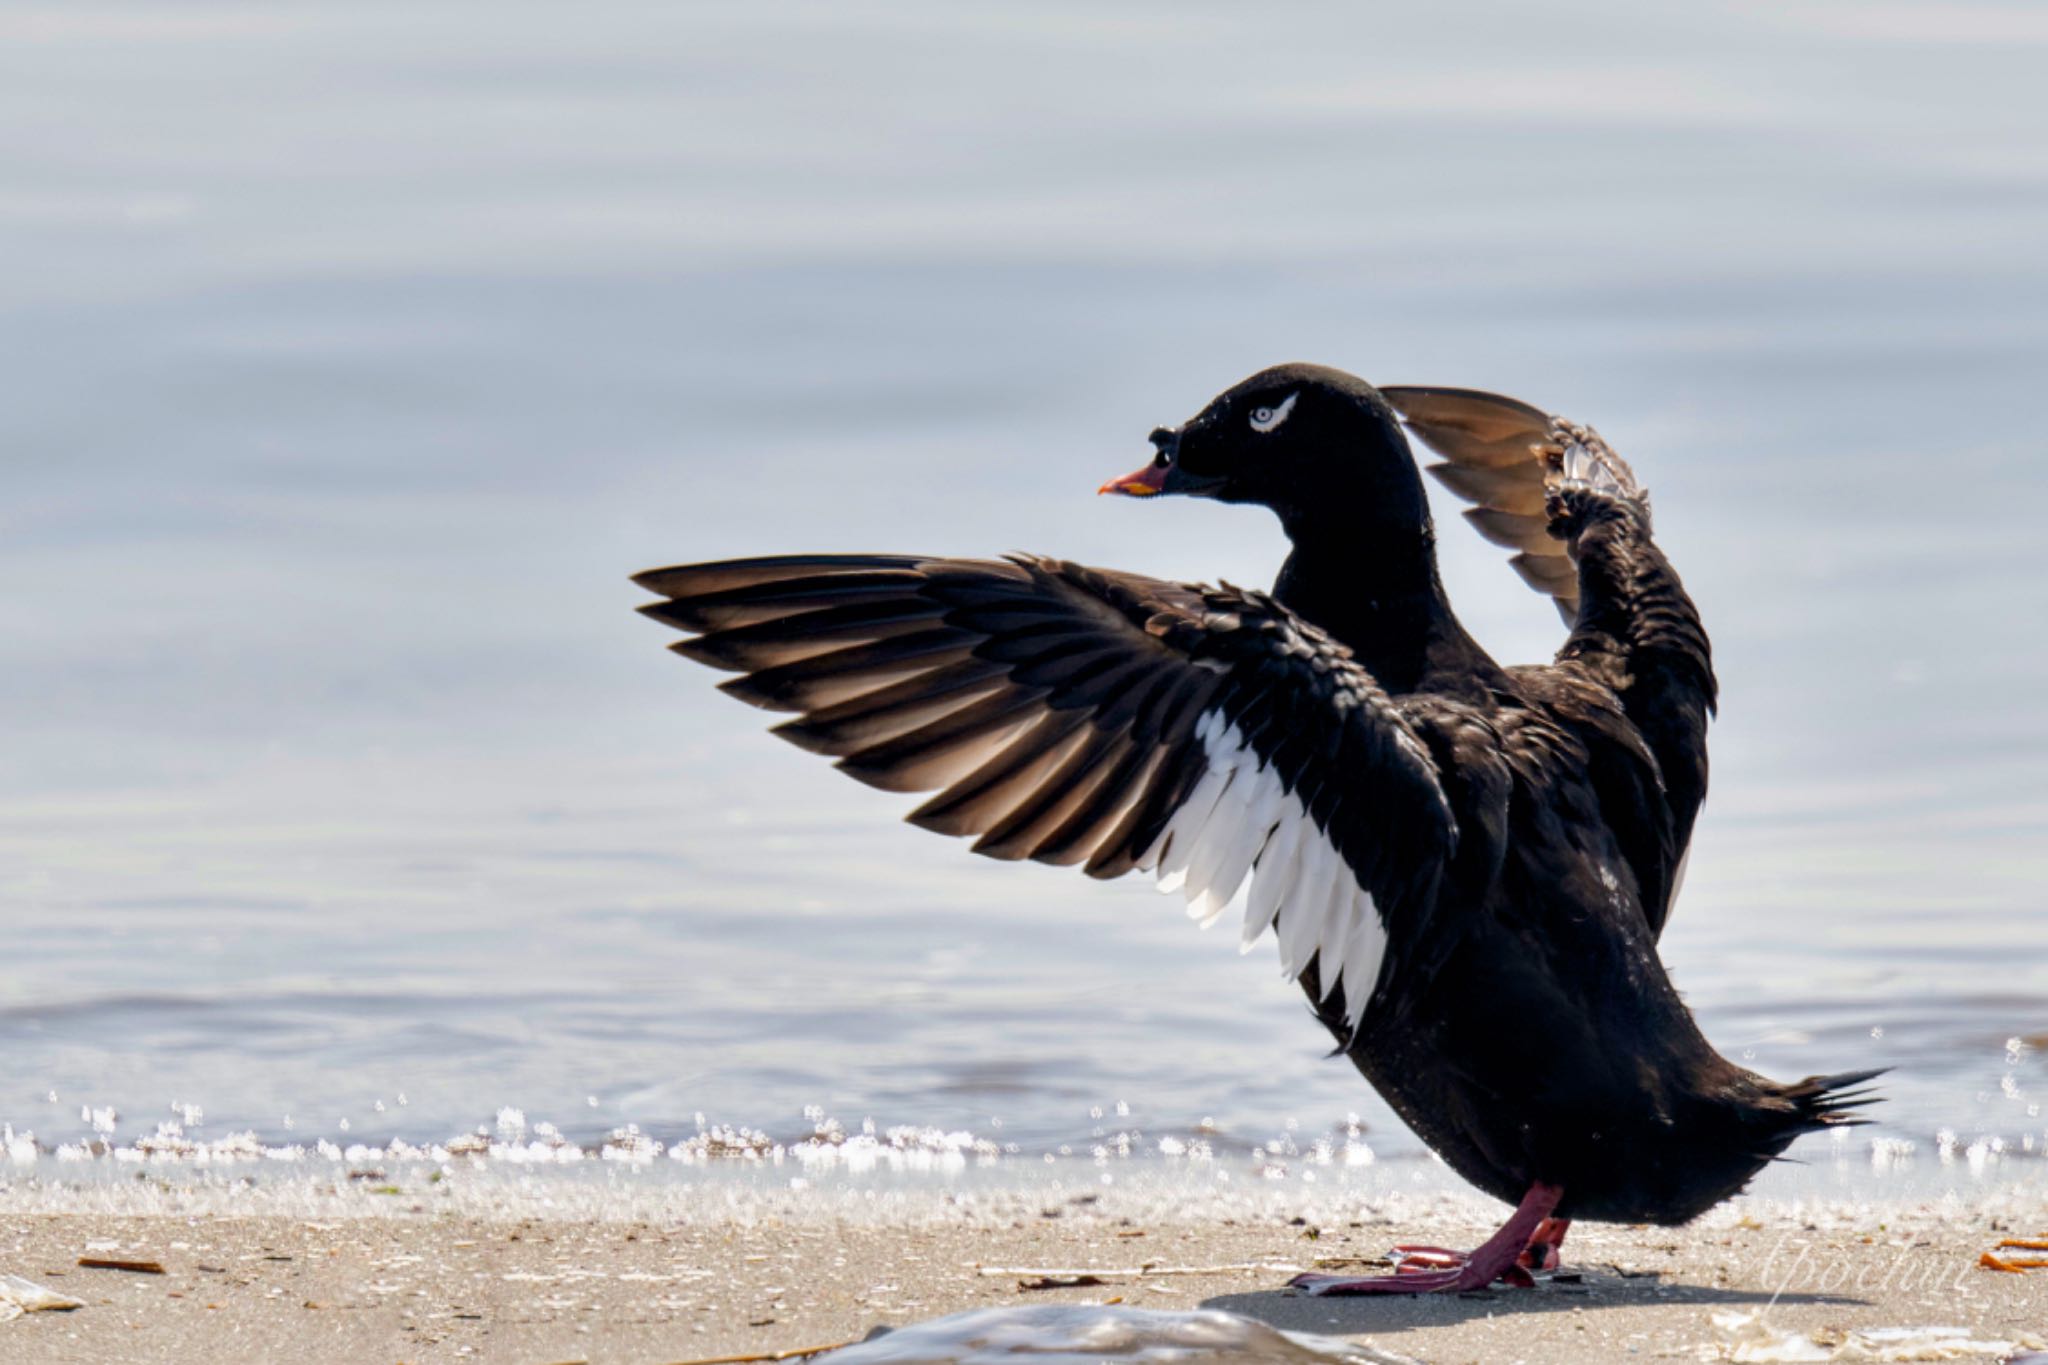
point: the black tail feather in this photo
(1831, 1101)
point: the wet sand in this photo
(424, 1285)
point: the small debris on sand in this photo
(18, 1296)
(113, 1263)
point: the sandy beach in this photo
(353, 1278)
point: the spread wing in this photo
(1571, 509)
(1498, 453)
(1076, 716)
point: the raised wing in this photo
(1070, 715)
(1499, 455)
(1552, 490)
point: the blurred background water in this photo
(354, 354)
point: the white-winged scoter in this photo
(1466, 866)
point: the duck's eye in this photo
(1265, 419)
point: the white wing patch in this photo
(1240, 821)
(1266, 419)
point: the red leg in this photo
(1495, 1259)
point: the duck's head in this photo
(1304, 440)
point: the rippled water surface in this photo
(355, 354)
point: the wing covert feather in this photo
(1073, 715)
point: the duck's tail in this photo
(1723, 1145)
(1832, 1101)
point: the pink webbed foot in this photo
(1400, 1282)
(1415, 1260)
(1546, 1245)
(1529, 1240)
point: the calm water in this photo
(355, 354)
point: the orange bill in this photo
(1141, 483)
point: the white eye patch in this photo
(1266, 419)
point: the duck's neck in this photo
(1376, 590)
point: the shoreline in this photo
(522, 1270)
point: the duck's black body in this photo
(1543, 1040)
(1467, 866)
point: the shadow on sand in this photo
(1590, 1289)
